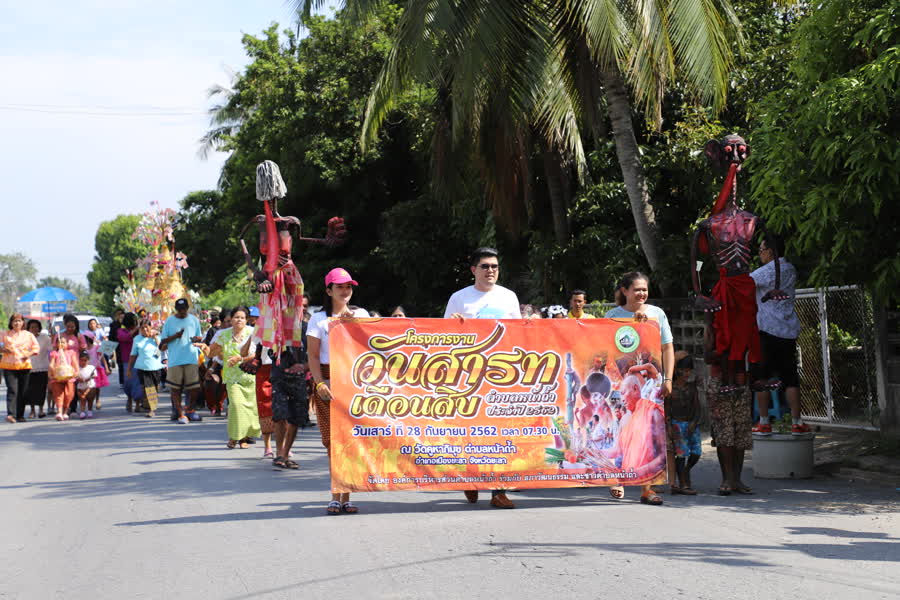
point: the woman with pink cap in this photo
(338, 289)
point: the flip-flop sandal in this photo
(675, 490)
(244, 445)
(268, 454)
(279, 462)
(231, 444)
(652, 499)
(617, 492)
(349, 508)
(291, 464)
(725, 490)
(743, 489)
(333, 508)
(687, 491)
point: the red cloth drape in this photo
(721, 201)
(736, 330)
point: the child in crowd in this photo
(86, 383)
(682, 423)
(62, 370)
(97, 360)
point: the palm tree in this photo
(225, 117)
(540, 68)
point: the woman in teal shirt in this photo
(145, 358)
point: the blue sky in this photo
(65, 171)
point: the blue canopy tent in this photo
(48, 294)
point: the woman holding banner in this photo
(631, 297)
(338, 289)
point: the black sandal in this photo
(280, 462)
(725, 490)
(289, 464)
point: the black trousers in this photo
(16, 388)
(120, 367)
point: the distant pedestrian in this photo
(399, 311)
(577, 301)
(125, 336)
(62, 371)
(146, 362)
(85, 382)
(261, 367)
(75, 344)
(243, 417)
(683, 425)
(118, 316)
(290, 402)
(96, 359)
(181, 336)
(556, 311)
(40, 363)
(779, 327)
(17, 346)
(306, 314)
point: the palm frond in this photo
(701, 45)
(410, 58)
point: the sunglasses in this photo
(488, 267)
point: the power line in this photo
(92, 113)
(102, 106)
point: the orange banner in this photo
(439, 404)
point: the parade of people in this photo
(450, 299)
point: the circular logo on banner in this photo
(627, 339)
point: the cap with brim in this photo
(339, 275)
(254, 311)
(181, 303)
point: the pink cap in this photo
(338, 275)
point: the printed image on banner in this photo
(440, 404)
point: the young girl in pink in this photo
(62, 371)
(96, 359)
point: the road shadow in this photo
(532, 555)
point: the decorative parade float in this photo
(156, 283)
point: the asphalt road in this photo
(127, 507)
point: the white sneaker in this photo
(90, 414)
(81, 415)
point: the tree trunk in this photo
(559, 190)
(619, 106)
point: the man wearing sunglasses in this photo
(485, 300)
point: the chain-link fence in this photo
(837, 356)
(837, 338)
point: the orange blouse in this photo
(18, 348)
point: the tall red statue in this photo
(279, 282)
(727, 236)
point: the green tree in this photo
(17, 276)
(205, 235)
(512, 68)
(115, 252)
(301, 103)
(826, 152)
